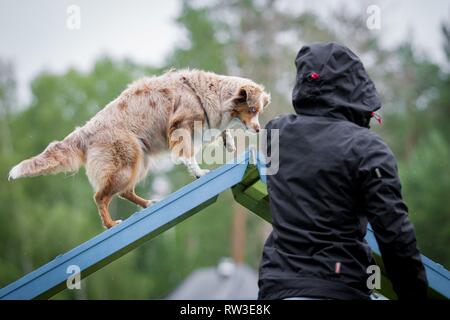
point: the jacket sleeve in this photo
(388, 215)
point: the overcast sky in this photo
(35, 37)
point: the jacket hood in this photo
(332, 81)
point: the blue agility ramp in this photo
(248, 185)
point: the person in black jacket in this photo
(335, 175)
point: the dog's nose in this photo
(257, 129)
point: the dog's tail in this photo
(59, 156)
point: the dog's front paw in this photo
(201, 173)
(228, 141)
(230, 147)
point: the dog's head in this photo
(248, 102)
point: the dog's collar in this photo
(188, 84)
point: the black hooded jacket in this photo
(335, 176)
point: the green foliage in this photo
(202, 50)
(426, 181)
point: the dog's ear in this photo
(266, 98)
(241, 96)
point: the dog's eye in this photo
(252, 110)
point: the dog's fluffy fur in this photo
(115, 145)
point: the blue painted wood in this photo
(138, 228)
